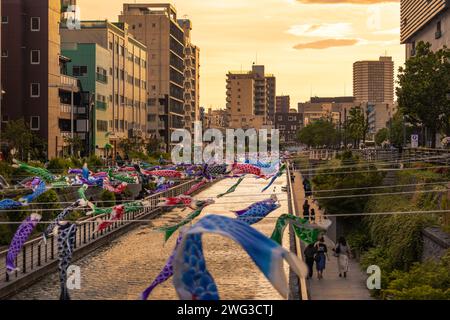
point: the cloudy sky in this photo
(310, 45)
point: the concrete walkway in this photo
(331, 287)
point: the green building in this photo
(90, 64)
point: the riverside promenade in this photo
(331, 287)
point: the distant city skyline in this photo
(310, 46)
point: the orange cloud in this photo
(325, 44)
(345, 1)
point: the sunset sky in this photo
(310, 45)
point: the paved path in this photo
(331, 287)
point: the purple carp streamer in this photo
(166, 273)
(192, 279)
(20, 237)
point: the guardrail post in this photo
(24, 259)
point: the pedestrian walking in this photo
(310, 252)
(321, 257)
(306, 210)
(313, 215)
(342, 252)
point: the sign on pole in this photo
(414, 141)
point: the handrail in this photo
(36, 254)
(293, 210)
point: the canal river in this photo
(125, 267)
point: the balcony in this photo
(67, 108)
(69, 82)
(161, 126)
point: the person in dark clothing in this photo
(321, 257)
(306, 210)
(310, 252)
(313, 215)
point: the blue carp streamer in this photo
(192, 279)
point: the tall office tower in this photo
(156, 25)
(117, 78)
(425, 21)
(373, 81)
(249, 98)
(192, 77)
(31, 76)
(283, 104)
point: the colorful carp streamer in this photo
(20, 237)
(258, 211)
(166, 272)
(38, 172)
(117, 214)
(214, 171)
(9, 204)
(121, 178)
(232, 189)
(165, 173)
(305, 231)
(37, 191)
(192, 280)
(196, 187)
(169, 231)
(275, 177)
(241, 168)
(66, 244)
(61, 217)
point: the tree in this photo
(19, 137)
(357, 126)
(76, 144)
(318, 134)
(382, 136)
(424, 84)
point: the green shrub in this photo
(94, 162)
(108, 199)
(58, 165)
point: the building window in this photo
(35, 90)
(111, 46)
(153, 25)
(5, 53)
(5, 19)
(79, 71)
(102, 125)
(35, 56)
(35, 123)
(438, 30)
(35, 24)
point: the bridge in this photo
(120, 262)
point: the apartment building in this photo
(289, 123)
(427, 21)
(251, 98)
(31, 76)
(95, 80)
(335, 109)
(117, 78)
(373, 81)
(192, 77)
(216, 119)
(157, 26)
(283, 104)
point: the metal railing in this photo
(293, 210)
(36, 254)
